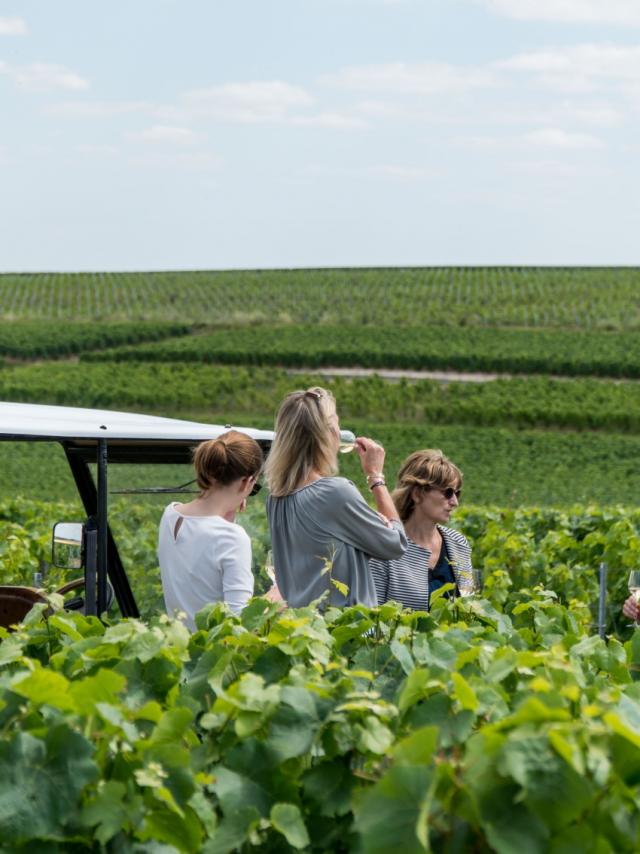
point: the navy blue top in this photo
(441, 573)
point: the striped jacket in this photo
(406, 579)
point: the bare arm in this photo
(372, 461)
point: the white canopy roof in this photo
(35, 421)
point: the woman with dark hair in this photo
(427, 492)
(322, 530)
(204, 555)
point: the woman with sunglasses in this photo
(204, 555)
(426, 494)
(322, 530)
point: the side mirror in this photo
(66, 547)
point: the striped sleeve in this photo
(380, 574)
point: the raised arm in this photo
(372, 461)
(350, 519)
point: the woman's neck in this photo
(312, 476)
(423, 532)
(214, 502)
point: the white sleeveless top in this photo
(209, 560)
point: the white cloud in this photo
(13, 27)
(623, 12)
(97, 109)
(165, 134)
(547, 168)
(386, 171)
(404, 78)
(578, 68)
(556, 139)
(596, 115)
(561, 139)
(335, 121)
(251, 102)
(97, 150)
(192, 161)
(403, 173)
(42, 77)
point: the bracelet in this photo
(380, 482)
(376, 475)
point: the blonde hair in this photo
(427, 468)
(231, 456)
(304, 440)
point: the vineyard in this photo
(215, 392)
(502, 350)
(491, 724)
(499, 723)
(582, 298)
(40, 339)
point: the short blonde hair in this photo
(304, 440)
(426, 468)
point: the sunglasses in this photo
(256, 489)
(448, 492)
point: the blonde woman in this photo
(204, 555)
(316, 517)
(427, 493)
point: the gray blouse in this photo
(329, 519)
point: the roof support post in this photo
(102, 525)
(88, 493)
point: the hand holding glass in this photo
(470, 583)
(634, 589)
(269, 568)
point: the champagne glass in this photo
(470, 583)
(269, 567)
(465, 584)
(478, 581)
(346, 447)
(634, 588)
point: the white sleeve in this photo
(235, 561)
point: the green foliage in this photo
(579, 297)
(517, 549)
(529, 351)
(579, 404)
(374, 730)
(41, 339)
(490, 724)
(505, 466)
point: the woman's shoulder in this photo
(451, 535)
(325, 488)
(167, 513)
(337, 490)
(233, 530)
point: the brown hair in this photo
(229, 457)
(427, 468)
(304, 440)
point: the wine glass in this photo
(269, 567)
(478, 581)
(634, 589)
(346, 447)
(470, 583)
(465, 585)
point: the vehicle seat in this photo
(15, 604)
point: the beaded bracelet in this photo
(381, 482)
(376, 475)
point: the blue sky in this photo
(156, 134)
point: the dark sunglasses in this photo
(256, 489)
(448, 492)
